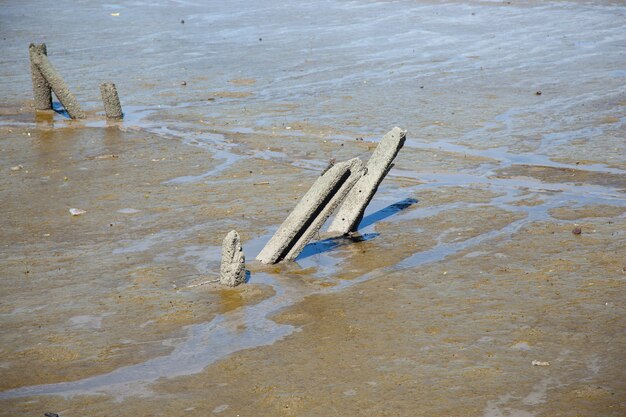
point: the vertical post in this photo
(111, 100)
(42, 91)
(233, 267)
(57, 84)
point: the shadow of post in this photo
(327, 245)
(59, 109)
(386, 212)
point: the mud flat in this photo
(69, 281)
(457, 290)
(465, 270)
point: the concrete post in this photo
(57, 84)
(41, 89)
(233, 267)
(111, 100)
(351, 212)
(309, 215)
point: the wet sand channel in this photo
(465, 293)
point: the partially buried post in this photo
(42, 92)
(379, 164)
(233, 267)
(57, 84)
(309, 215)
(111, 100)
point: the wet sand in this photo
(465, 270)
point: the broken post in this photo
(351, 212)
(111, 100)
(57, 84)
(309, 215)
(233, 267)
(42, 92)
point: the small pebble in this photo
(577, 230)
(182, 22)
(183, 83)
(538, 93)
(77, 212)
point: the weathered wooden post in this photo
(111, 100)
(42, 92)
(57, 84)
(233, 266)
(309, 215)
(351, 212)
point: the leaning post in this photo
(351, 212)
(57, 84)
(311, 212)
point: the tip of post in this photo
(399, 130)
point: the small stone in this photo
(182, 22)
(77, 212)
(220, 408)
(183, 83)
(538, 93)
(577, 230)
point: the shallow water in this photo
(481, 87)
